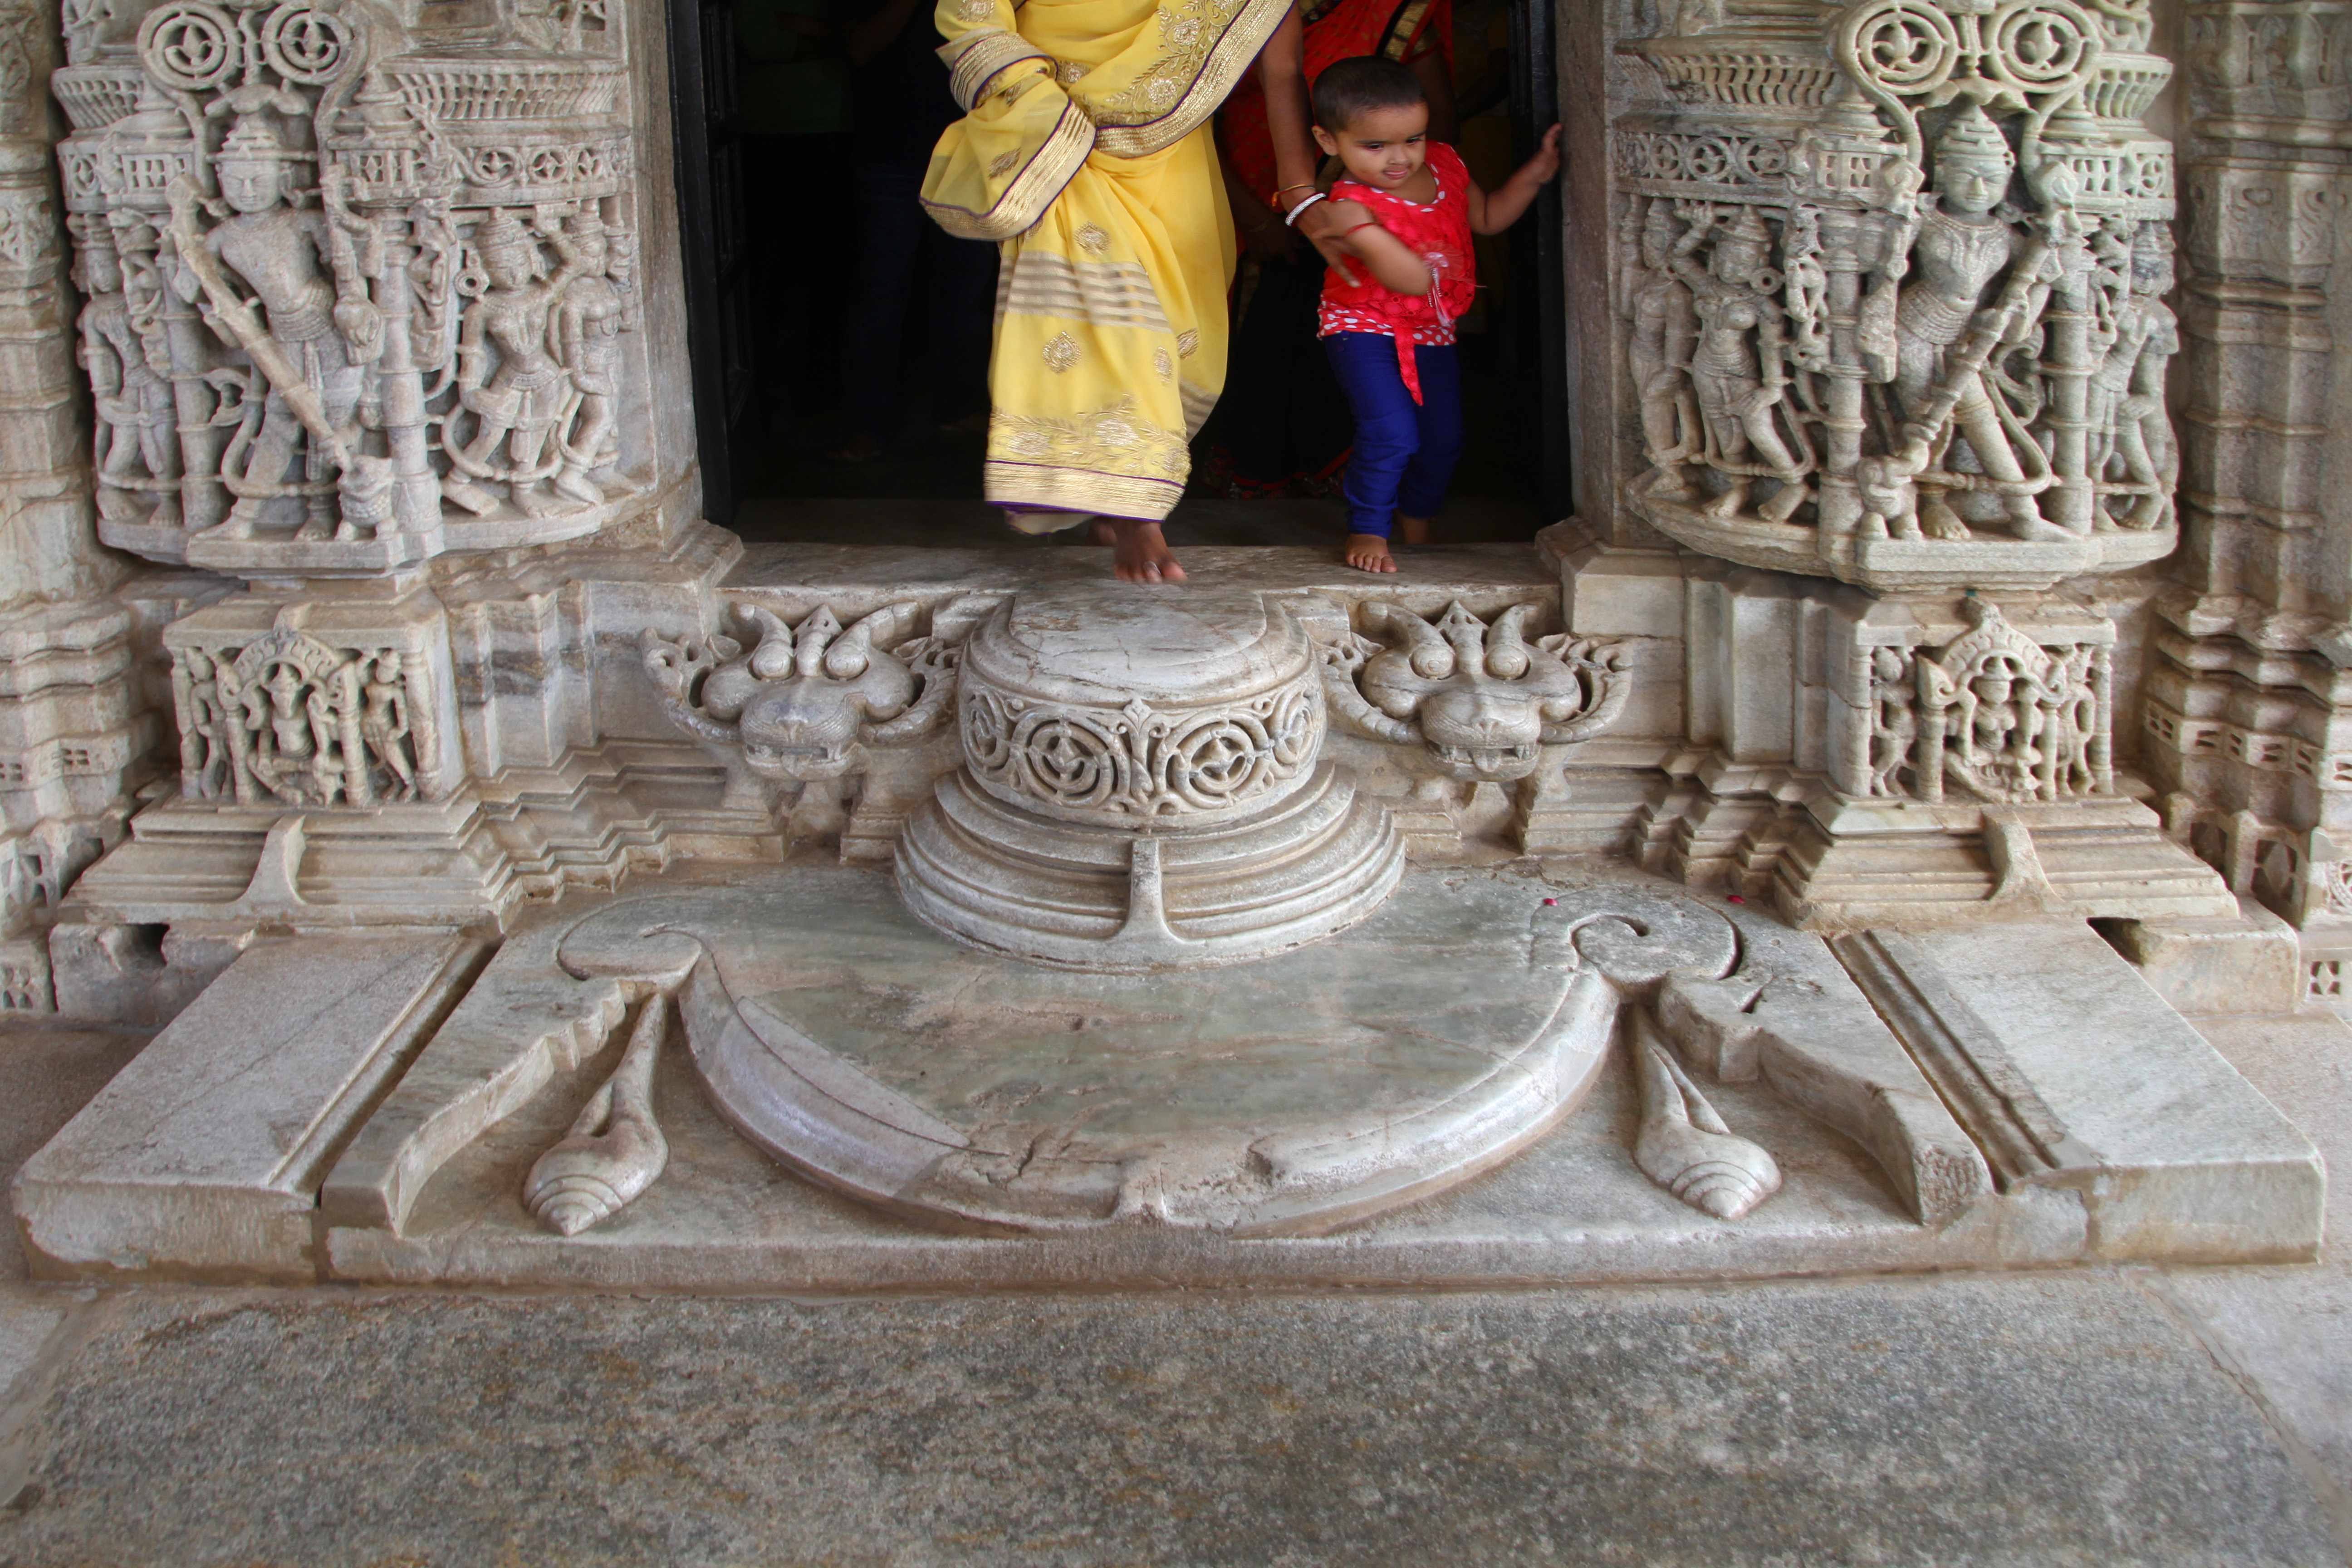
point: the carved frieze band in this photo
(1994, 716)
(287, 719)
(1141, 761)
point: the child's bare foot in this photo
(1370, 552)
(1411, 530)
(1143, 554)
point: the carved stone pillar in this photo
(75, 736)
(376, 327)
(2249, 699)
(1889, 281)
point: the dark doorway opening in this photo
(786, 218)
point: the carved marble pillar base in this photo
(1018, 883)
(1929, 758)
(1141, 791)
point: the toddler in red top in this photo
(1405, 210)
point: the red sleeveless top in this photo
(1439, 233)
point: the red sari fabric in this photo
(1403, 30)
(1439, 233)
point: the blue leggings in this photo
(1405, 452)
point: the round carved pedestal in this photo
(1141, 789)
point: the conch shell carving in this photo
(1683, 1144)
(616, 1148)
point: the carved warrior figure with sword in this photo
(1945, 343)
(313, 335)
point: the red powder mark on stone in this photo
(1549, 902)
(1735, 899)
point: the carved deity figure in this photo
(315, 310)
(1963, 248)
(136, 438)
(1739, 365)
(296, 732)
(597, 307)
(1665, 329)
(2135, 448)
(520, 402)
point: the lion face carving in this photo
(805, 703)
(1482, 699)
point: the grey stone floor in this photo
(2153, 1417)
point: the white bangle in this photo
(1290, 219)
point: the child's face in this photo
(1381, 148)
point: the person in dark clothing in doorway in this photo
(793, 86)
(899, 105)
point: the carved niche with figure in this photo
(359, 290)
(1891, 284)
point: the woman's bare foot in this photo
(1370, 552)
(1143, 554)
(1089, 531)
(859, 448)
(1411, 530)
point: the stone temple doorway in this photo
(839, 363)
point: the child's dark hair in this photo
(1349, 88)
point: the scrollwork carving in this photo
(1141, 761)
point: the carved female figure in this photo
(1962, 248)
(2127, 388)
(520, 401)
(135, 437)
(1892, 726)
(1664, 329)
(1738, 387)
(315, 307)
(597, 308)
(384, 722)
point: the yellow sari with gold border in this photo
(1085, 149)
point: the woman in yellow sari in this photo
(1086, 149)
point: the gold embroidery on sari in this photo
(1102, 293)
(1029, 193)
(1206, 45)
(1077, 490)
(1062, 352)
(1199, 401)
(975, 59)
